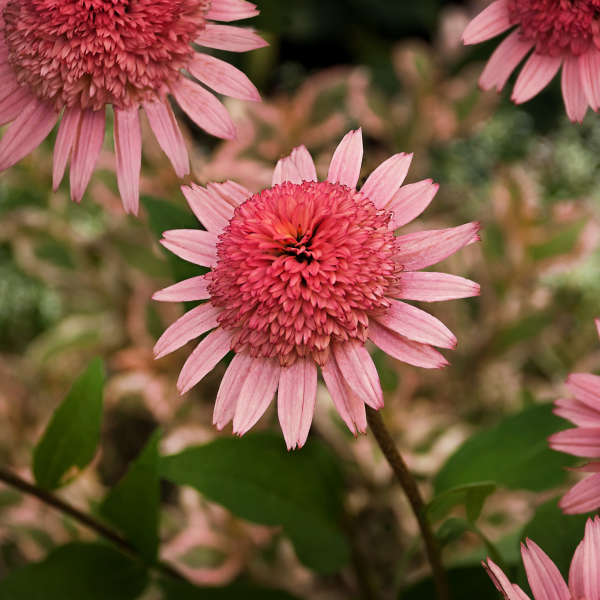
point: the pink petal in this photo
(544, 578)
(210, 209)
(296, 401)
(359, 372)
(286, 170)
(203, 108)
(577, 412)
(256, 393)
(188, 290)
(17, 103)
(488, 23)
(231, 10)
(416, 324)
(347, 159)
(223, 77)
(589, 67)
(401, 348)
(597, 323)
(572, 89)
(168, 135)
(86, 150)
(536, 74)
(504, 61)
(410, 201)
(304, 163)
(191, 325)
(428, 286)
(128, 151)
(350, 407)
(580, 441)
(230, 191)
(67, 134)
(583, 497)
(502, 583)
(586, 388)
(9, 84)
(194, 245)
(425, 248)
(230, 388)
(576, 574)
(591, 559)
(387, 179)
(227, 37)
(204, 359)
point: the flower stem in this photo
(407, 481)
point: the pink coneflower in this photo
(557, 33)
(544, 578)
(302, 274)
(584, 440)
(78, 56)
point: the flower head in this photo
(78, 56)
(544, 578)
(302, 274)
(557, 33)
(583, 440)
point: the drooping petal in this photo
(385, 181)
(230, 388)
(304, 163)
(580, 441)
(410, 201)
(286, 170)
(210, 209)
(583, 497)
(128, 151)
(231, 10)
(428, 286)
(504, 586)
(591, 559)
(296, 401)
(489, 23)
(188, 290)
(544, 578)
(9, 83)
(228, 37)
(65, 139)
(577, 412)
(574, 96)
(589, 67)
(576, 577)
(20, 102)
(586, 388)
(347, 159)
(536, 74)
(194, 245)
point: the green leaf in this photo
(72, 435)
(561, 243)
(77, 572)
(133, 504)
(464, 582)
(258, 480)
(513, 454)
(180, 590)
(471, 495)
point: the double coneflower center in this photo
(301, 266)
(89, 53)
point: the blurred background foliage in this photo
(76, 282)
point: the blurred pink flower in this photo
(584, 440)
(78, 57)
(303, 273)
(544, 578)
(560, 33)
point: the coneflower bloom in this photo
(584, 440)
(302, 275)
(555, 34)
(75, 57)
(544, 578)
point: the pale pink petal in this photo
(65, 139)
(590, 560)
(204, 359)
(425, 248)
(168, 135)
(203, 108)
(586, 388)
(231, 10)
(9, 84)
(210, 209)
(536, 74)
(416, 324)
(428, 286)
(230, 388)
(589, 71)
(128, 151)
(194, 245)
(347, 159)
(580, 441)
(502, 583)
(597, 323)
(26, 133)
(575, 99)
(256, 393)
(223, 77)
(191, 325)
(350, 407)
(489, 23)
(410, 201)
(583, 497)
(228, 37)
(544, 578)
(577, 412)
(86, 150)
(231, 191)
(304, 163)
(576, 578)
(17, 103)
(401, 348)
(286, 170)
(296, 401)
(504, 61)
(359, 371)
(385, 181)
(188, 290)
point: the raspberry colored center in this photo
(558, 26)
(301, 266)
(89, 53)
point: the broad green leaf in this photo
(258, 480)
(180, 590)
(513, 454)
(133, 504)
(464, 582)
(471, 495)
(77, 572)
(72, 435)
